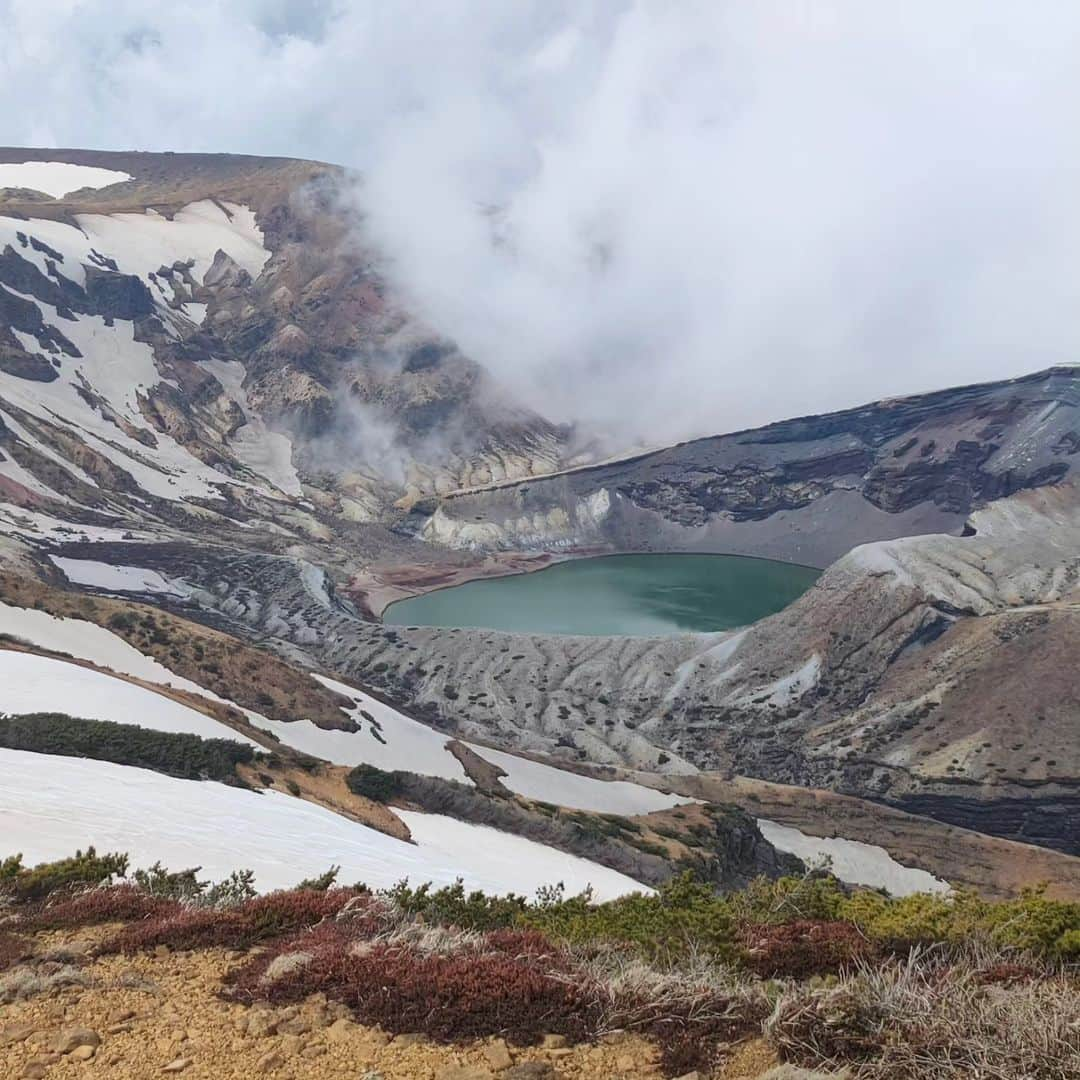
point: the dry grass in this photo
(24, 982)
(934, 1016)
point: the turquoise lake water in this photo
(617, 594)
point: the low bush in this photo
(186, 756)
(1031, 922)
(24, 884)
(802, 948)
(453, 906)
(519, 987)
(682, 915)
(13, 950)
(374, 783)
(115, 903)
(238, 927)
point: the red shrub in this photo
(239, 927)
(116, 903)
(460, 996)
(799, 949)
(13, 950)
(521, 989)
(1005, 974)
(530, 943)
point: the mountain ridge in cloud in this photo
(657, 221)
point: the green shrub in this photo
(24, 884)
(175, 754)
(183, 885)
(452, 906)
(374, 783)
(1031, 921)
(322, 882)
(683, 915)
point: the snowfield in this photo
(49, 806)
(31, 683)
(141, 243)
(394, 741)
(57, 178)
(853, 861)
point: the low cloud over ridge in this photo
(659, 219)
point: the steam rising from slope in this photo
(659, 219)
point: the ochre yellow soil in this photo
(156, 1011)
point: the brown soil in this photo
(150, 1011)
(485, 775)
(326, 786)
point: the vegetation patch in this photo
(183, 755)
(919, 988)
(13, 949)
(503, 987)
(375, 783)
(22, 884)
(236, 927)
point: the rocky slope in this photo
(267, 379)
(209, 400)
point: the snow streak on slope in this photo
(31, 683)
(142, 243)
(100, 575)
(394, 741)
(117, 367)
(546, 783)
(51, 805)
(57, 178)
(853, 861)
(265, 452)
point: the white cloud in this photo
(710, 215)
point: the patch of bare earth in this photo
(160, 1014)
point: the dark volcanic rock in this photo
(117, 296)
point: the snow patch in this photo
(57, 178)
(100, 575)
(142, 243)
(265, 452)
(546, 783)
(30, 683)
(532, 864)
(392, 741)
(17, 521)
(49, 806)
(790, 687)
(853, 861)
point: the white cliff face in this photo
(552, 528)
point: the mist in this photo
(654, 220)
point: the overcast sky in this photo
(663, 218)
